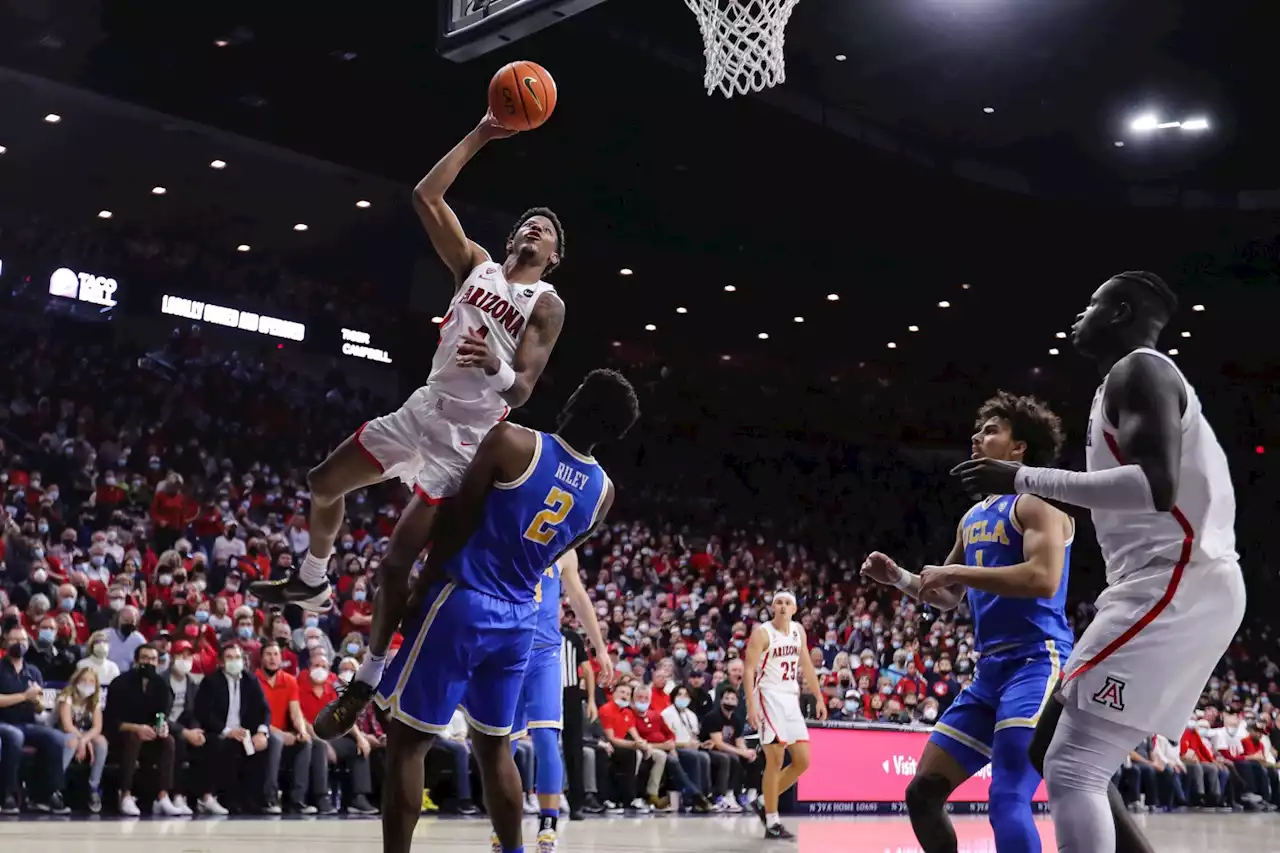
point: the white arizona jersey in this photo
(1201, 526)
(490, 307)
(780, 664)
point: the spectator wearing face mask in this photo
(137, 726)
(290, 738)
(232, 710)
(246, 636)
(1203, 775)
(686, 729)
(123, 638)
(21, 697)
(228, 546)
(350, 751)
(53, 656)
(37, 607)
(310, 636)
(723, 727)
(97, 658)
(75, 606)
(37, 583)
(623, 749)
(357, 613)
(80, 719)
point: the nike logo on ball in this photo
(528, 84)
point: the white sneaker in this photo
(546, 841)
(611, 807)
(531, 805)
(129, 807)
(180, 803)
(494, 844)
(640, 806)
(728, 804)
(165, 807)
(209, 805)
(564, 804)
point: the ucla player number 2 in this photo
(543, 527)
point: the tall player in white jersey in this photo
(502, 324)
(777, 655)
(1164, 510)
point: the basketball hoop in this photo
(743, 43)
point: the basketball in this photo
(522, 95)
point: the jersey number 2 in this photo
(543, 527)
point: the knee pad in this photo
(550, 772)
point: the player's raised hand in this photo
(489, 128)
(881, 568)
(474, 352)
(987, 476)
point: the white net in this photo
(743, 43)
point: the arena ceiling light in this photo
(1186, 334)
(891, 345)
(3, 150)
(840, 57)
(965, 286)
(1119, 143)
(913, 328)
(1196, 307)
(625, 271)
(1060, 335)
(1053, 351)
(944, 304)
(1150, 122)
(617, 343)
(1173, 351)
(798, 319)
(221, 43)
(833, 297)
(729, 288)
(362, 204)
(301, 226)
(764, 336)
(724, 358)
(682, 310)
(218, 164)
(104, 214)
(53, 118)
(437, 320)
(243, 247)
(649, 327)
(988, 110)
(158, 190)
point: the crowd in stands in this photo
(138, 675)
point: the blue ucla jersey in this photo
(529, 521)
(992, 537)
(548, 597)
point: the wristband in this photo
(503, 379)
(904, 579)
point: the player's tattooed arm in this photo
(460, 254)
(539, 339)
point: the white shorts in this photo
(781, 718)
(1157, 637)
(427, 444)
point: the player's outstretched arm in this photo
(1145, 399)
(1045, 531)
(459, 254)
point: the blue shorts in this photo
(1008, 690)
(542, 697)
(466, 651)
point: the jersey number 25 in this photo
(543, 527)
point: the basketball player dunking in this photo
(777, 656)
(540, 710)
(495, 340)
(526, 499)
(1012, 556)
(1164, 510)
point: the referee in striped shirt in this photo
(578, 681)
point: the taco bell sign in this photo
(83, 287)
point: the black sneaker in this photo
(468, 808)
(9, 806)
(760, 811)
(778, 831)
(360, 805)
(337, 718)
(291, 590)
(95, 802)
(592, 805)
(702, 805)
(325, 805)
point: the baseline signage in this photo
(866, 771)
(83, 287)
(232, 318)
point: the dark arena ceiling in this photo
(962, 152)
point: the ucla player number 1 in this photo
(543, 527)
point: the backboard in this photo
(471, 28)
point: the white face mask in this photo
(181, 666)
(86, 689)
(318, 674)
(234, 667)
(100, 650)
(346, 676)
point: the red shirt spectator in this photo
(652, 727)
(313, 697)
(617, 721)
(279, 695)
(170, 508)
(1192, 743)
(208, 523)
(357, 615)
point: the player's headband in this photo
(783, 593)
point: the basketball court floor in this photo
(1219, 833)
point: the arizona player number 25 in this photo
(543, 527)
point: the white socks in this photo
(772, 819)
(314, 570)
(370, 672)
